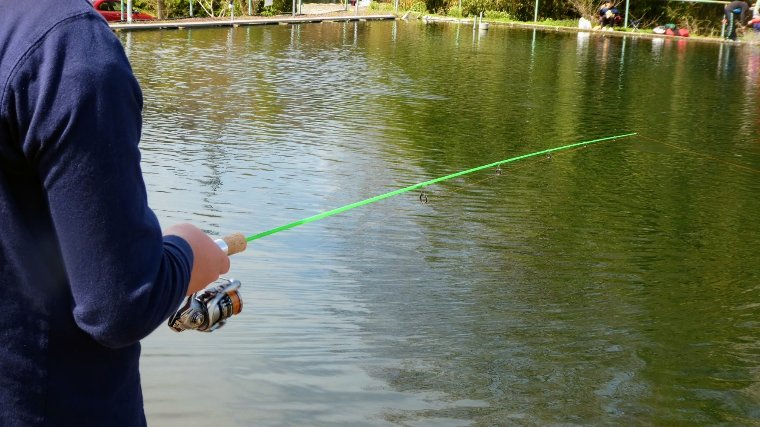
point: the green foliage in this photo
(278, 7)
(181, 8)
(418, 6)
(585, 8)
(497, 16)
(141, 5)
(282, 6)
(377, 6)
(499, 9)
(561, 22)
(176, 8)
(476, 7)
(436, 6)
(412, 5)
(455, 11)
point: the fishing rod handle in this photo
(232, 244)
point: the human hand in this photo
(209, 261)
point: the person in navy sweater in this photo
(85, 270)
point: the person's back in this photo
(604, 8)
(740, 8)
(84, 271)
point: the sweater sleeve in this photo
(79, 107)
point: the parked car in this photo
(111, 10)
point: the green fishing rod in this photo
(209, 309)
(237, 242)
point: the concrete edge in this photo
(245, 22)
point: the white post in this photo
(232, 10)
(535, 13)
(129, 11)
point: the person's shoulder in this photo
(23, 25)
(42, 14)
(36, 43)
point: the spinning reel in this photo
(208, 310)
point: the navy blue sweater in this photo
(84, 271)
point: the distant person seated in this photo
(736, 13)
(608, 15)
(754, 23)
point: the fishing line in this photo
(377, 198)
(702, 155)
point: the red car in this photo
(111, 10)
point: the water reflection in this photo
(611, 285)
(583, 40)
(657, 45)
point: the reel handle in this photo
(232, 244)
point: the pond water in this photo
(617, 284)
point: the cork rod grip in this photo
(233, 243)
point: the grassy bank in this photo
(501, 18)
